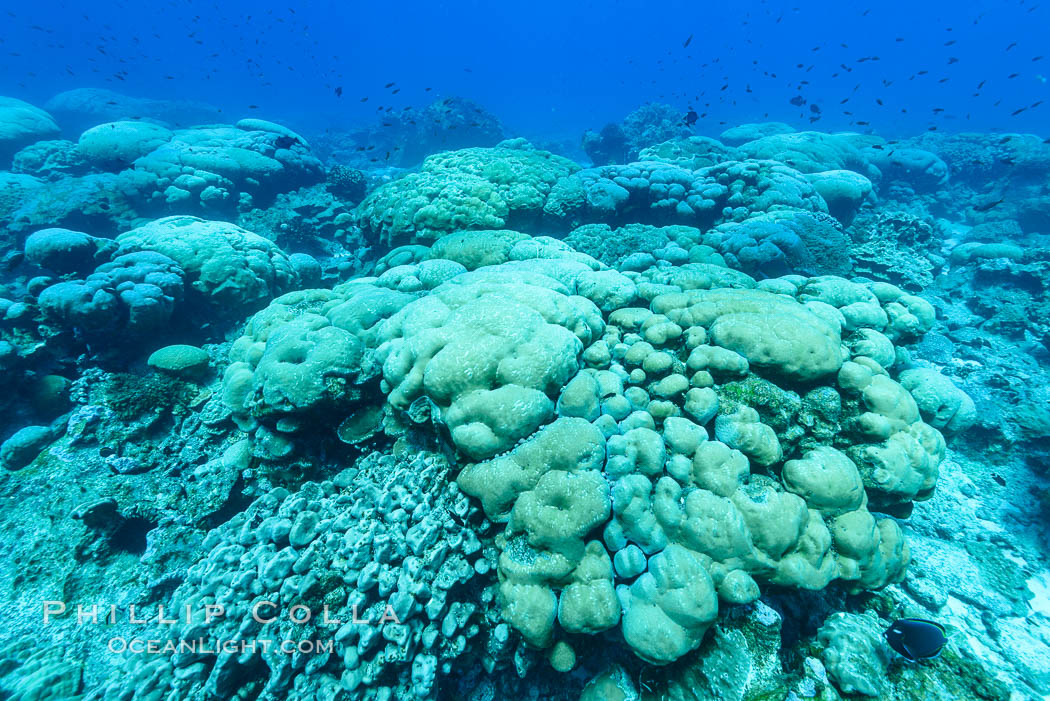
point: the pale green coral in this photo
(843, 190)
(773, 333)
(566, 444)
(476, 249)
(489, 356)
(21, 124)
(654, 439)
(827, 479)
(118, 144)
(692, 152)
(230, 268)
(222, 167)
(943, 405)
(668, 609)
(810, 152)
(478, 188)
(306, 353)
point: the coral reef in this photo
(646, 126)
(406, 137)
(22, 124)
(505, 186)
(699, 420)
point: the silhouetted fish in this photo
(987, 206)
(916, 638)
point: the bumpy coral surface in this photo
(697, 422)
(469, 189)
(648, 461)
(230, 268)
(217, 167)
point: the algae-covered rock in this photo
(22, 448)
(854, 653)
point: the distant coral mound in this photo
(82, 108)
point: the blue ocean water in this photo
(549, 67)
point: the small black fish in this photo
(339, 91)
(389, 85)
(690, 117)
(687, 41)
(797, 100)
(916, 638)
(284, 141)
(987, 206)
